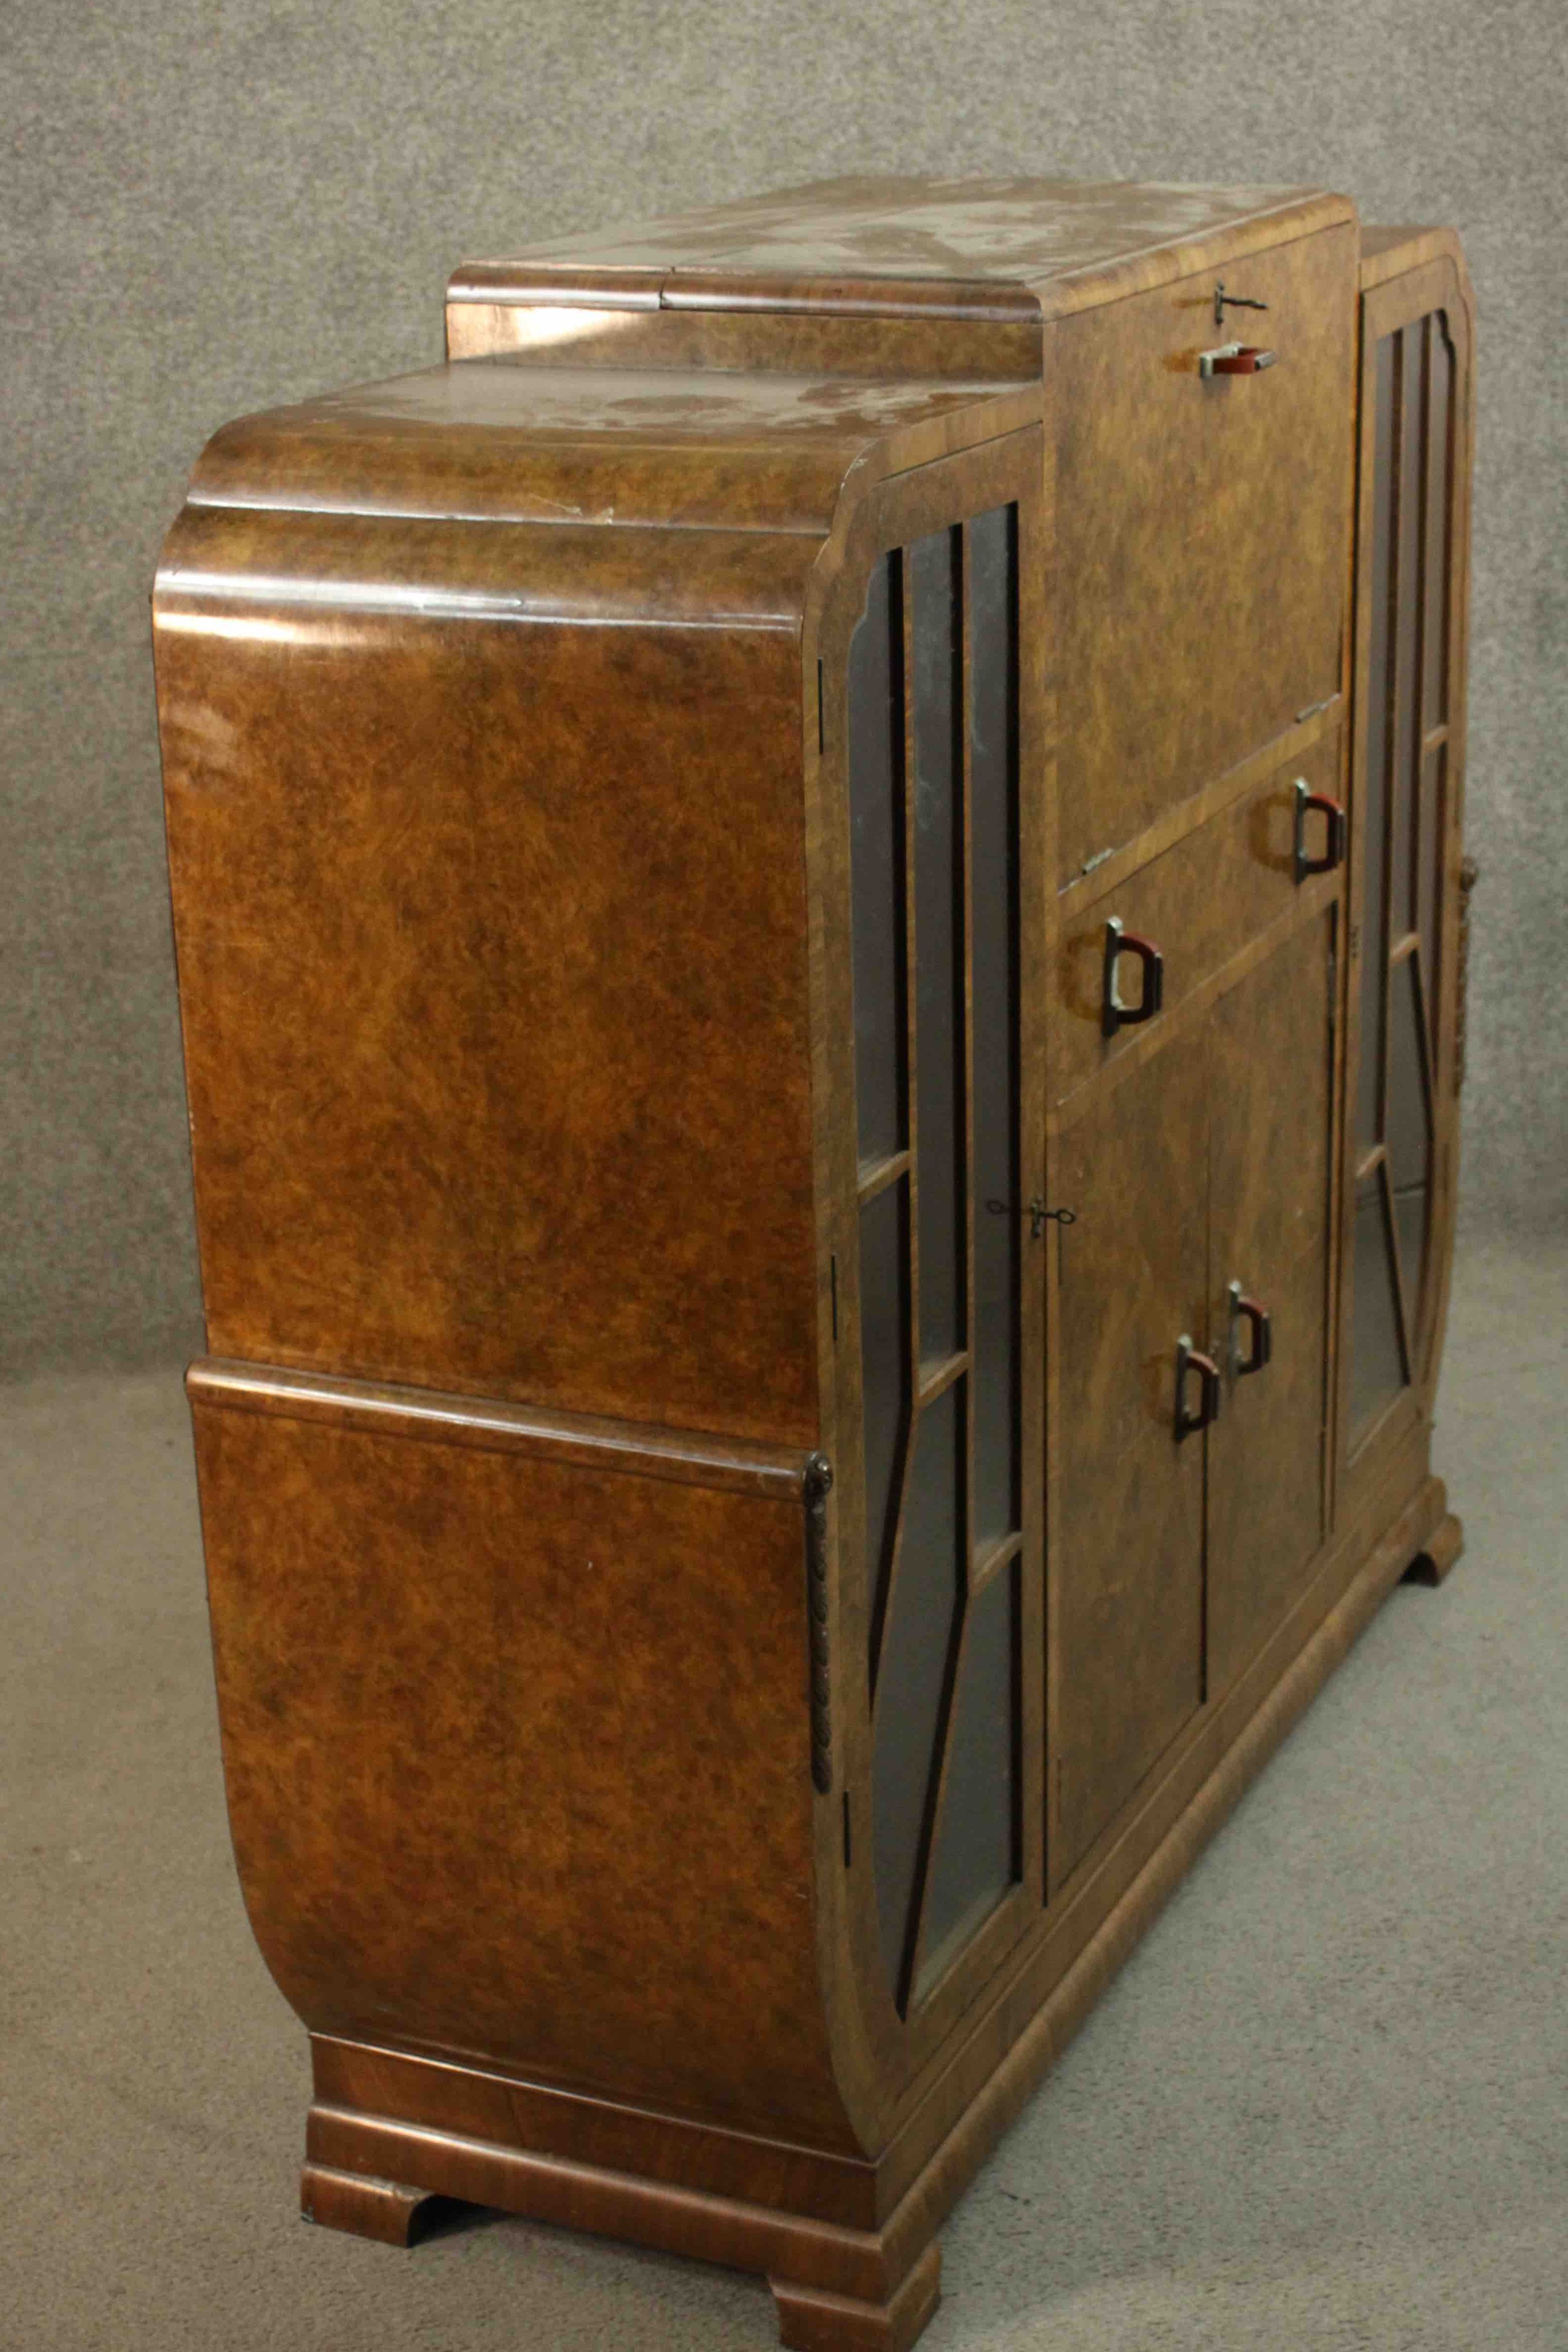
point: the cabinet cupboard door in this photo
(1204, 528)
(1269, 1093)
(1128, 1558)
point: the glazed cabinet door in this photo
(941, 1289)
(1271, 1107)
(1128, 1544)
(1404, 995)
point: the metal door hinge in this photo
(816, 1486)
(1223, 302)
(1469, 875)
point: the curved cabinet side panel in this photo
(518, 1756)
(488, 883)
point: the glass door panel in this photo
(1404, 704)
(976, 1856)
(933, 788)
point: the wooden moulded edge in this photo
(1020, 292)
(1388, 253)
(639, 1449)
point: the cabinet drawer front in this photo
(1202, 533)
(1198, 904)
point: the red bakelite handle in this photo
(1188, 1359)
(1247, 361)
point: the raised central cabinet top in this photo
(978, 248)
(1201, 492)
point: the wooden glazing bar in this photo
(936, 1378)
(963, 896)
(1414, 748)
(911, 1012)
(992, 1561)
(879, 1174)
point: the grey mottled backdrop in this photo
(213, 208)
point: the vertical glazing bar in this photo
(1410, 492)
(938, 894)
(877, 864)
(998, 1182)
(1379, 699)
(965, 900)
(1418, 339)
(906, 656)
(1435, 655)
(1439, 502)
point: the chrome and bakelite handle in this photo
(1261, 1334)
(1235, 359)
(1310, 803)
(1188, 1363)
(1118, 943)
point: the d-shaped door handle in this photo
(1116, 1014)
(1235, 359)
(1260, 1333)
(1318, 803)
(1189, 1421)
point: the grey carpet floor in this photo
(1325, 2105)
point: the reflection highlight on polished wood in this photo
(768, 1474)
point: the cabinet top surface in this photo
(1004, 233)
(487, 439)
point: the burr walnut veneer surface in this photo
(821, 924)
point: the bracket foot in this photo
(1438, 1555)
(383, 2210)
(813, 2320)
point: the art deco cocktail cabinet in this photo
(821, 939)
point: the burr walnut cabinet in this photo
(821, 939)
